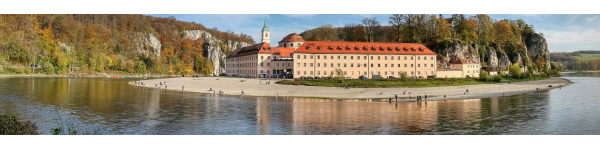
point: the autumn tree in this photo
(397, 21)
(370, 24)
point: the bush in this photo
(483, 75)
(468, 77)
(9, 125)
(48, 68)
(515, 70)
(361, 77)
(498, 78)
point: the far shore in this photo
(258, 87)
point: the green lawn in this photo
(588, 56)
(386, 83)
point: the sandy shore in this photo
(256, 87)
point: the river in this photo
(112, 106)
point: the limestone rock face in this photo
(538, 47)
(461, 51)
(492, 57)
(216, 50)
(503, 60)
(147, 44)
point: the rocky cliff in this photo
(147, 44)
(216, 50)
(536, 47)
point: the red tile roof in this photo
(292, 38)
(262, 48)
(339, 47)
(464, 61)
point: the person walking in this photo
(396, 97)
(409, 95)
(425, 96)
(242, 91)
(404, 92)
(444, 96)
(182, 88)
(467, 91)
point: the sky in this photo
(563, 32)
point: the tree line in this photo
(103, 43)
(565, 61)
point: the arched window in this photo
(266, 34)
(284, 44)
(291, 44)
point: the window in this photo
(385, 65)
(324, 72)
(331, 56)
(351, 65)
(291, 44)
(358, 57)
(392, 57)
(262, 57)
(284, 44)
(468, 71)
(431, 72)
(371, 65)
(431, 58)
(378, 57)
(324, 57)
(311, 72)
(365, 65)
(431, 65)
(298, 56)
(412, 73)
(332, 64)
(338, 57)
(385, 73)
(318, 56)
(392, 65)
(344, 57)
(411, 65)
(399, 65)
(372, 73)
(311, 64)
(365, 73)
(419, 58)
(357, 64)
(378, 72)
(298, 64)
(344, 64)
(261, 64)
(371, 57)
(304, 56)
(392, 72)
(385, 57)
(268, 64)
(351, 57)
(304, 64)
(318, 72)
(404, 57)
(365, 57)
(411, 58)
(338, 64)
(288, 64)
(318, 64)
(311, 56)
(304, 72)
(378, 65)
(398, 57)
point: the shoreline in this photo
(258, 87)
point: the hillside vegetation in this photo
(578, 60)
(488, 36)
(91, 44)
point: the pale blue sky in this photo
(565, 32)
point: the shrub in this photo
(483, 75)
(498, 78)
(9, 125)
(403, 76)
(515, 70)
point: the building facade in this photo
(260, 60)
(467, 67)
(319, 59)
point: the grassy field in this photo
(387, 83)
(588, 56)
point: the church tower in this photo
(265, 33)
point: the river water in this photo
(112, 106)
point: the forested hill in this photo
(479, 37)
(120, 44)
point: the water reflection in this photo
(118, 108)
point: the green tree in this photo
(370, 24)
(515, 70)
(484, 76)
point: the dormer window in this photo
(308, 48)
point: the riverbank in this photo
(258, 87)
(85, 76)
